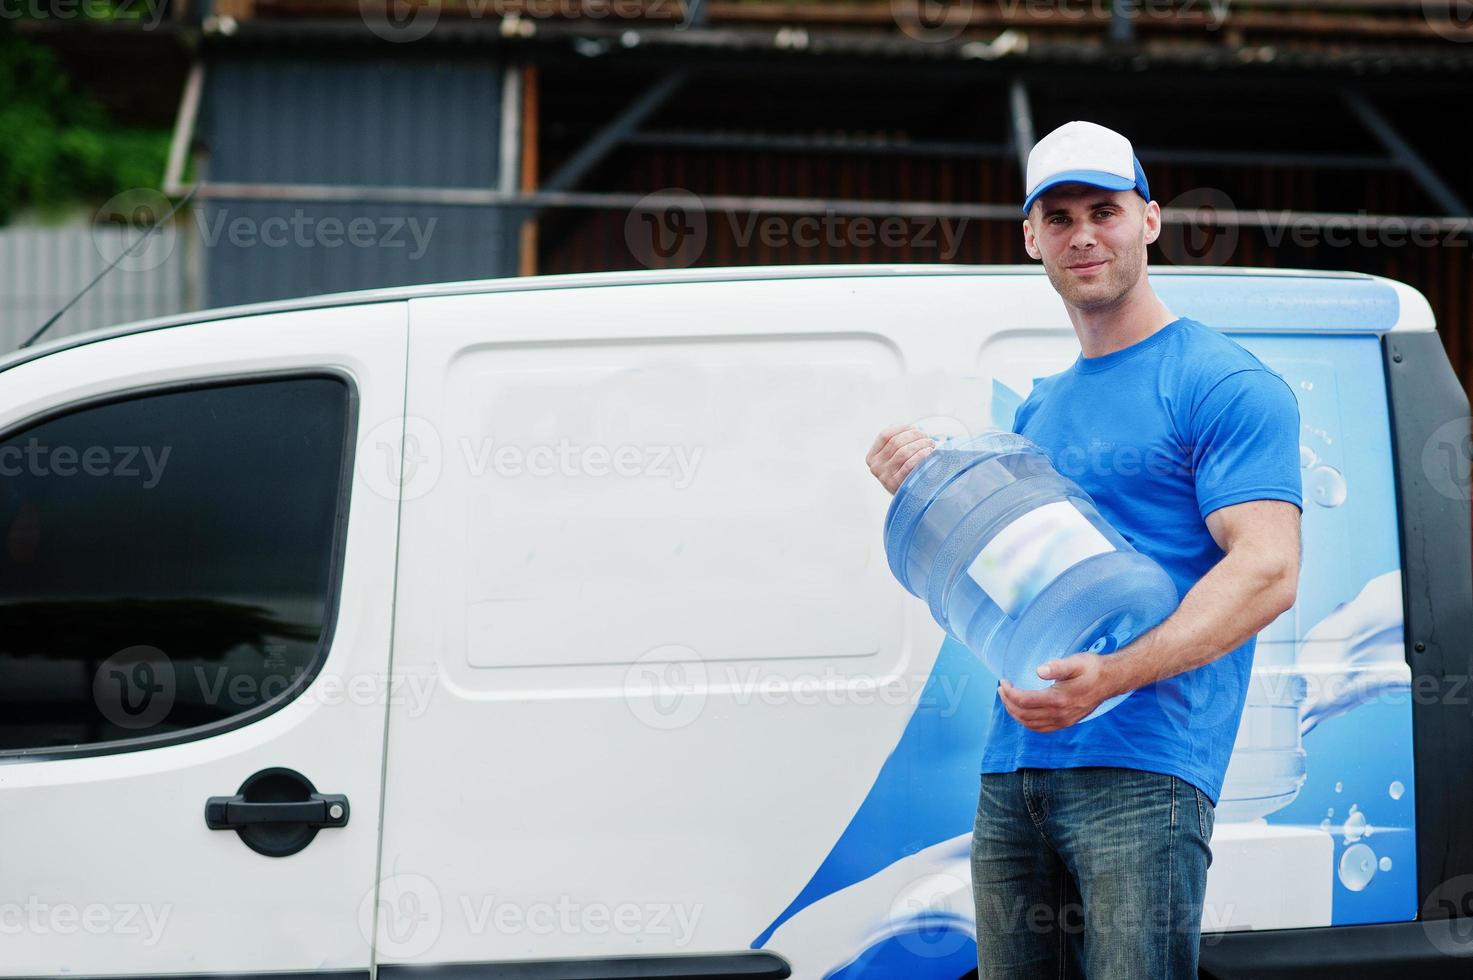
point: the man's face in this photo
(1092, 242)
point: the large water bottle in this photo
(1015, 561)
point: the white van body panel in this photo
(740, 546)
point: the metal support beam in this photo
(614, 132)
(624, 201)
(695, 14)
(1122, 22)
(780, 143)
(1022, 114)
(509, 160)
(183, 137)
(1402, 151)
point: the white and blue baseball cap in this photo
(1083, 153)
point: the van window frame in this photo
(333, 598)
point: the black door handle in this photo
(277, 812)
(232, 812)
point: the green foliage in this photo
(57, 145)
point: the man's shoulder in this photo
(1212, 349)
(1208, 357)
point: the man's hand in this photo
(896, 451)
(1080, 684)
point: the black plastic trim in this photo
(1441, 949)
(335, 574)
(756, 964)
(1430, 429)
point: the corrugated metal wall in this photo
(596, 240)
(42, 266)
(404, 122)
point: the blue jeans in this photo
(1095, 872)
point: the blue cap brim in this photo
(1094, 178)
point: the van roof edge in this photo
(1409, 295)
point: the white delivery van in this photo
(542, 628)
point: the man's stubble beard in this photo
(1120, 277)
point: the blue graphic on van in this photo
(1304, 303)
(897, 884)
(1344, 641)
(1317, 813)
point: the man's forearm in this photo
(1239, 596)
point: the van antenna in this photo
(110, 266)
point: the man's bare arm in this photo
(1253, 583)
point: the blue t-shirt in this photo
(1160, 434)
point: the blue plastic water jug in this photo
(1015, 562)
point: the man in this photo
(1090, 849)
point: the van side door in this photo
(197, 536)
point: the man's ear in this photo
(1152, 221)
(1030, 245)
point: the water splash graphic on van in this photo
(1355, 654)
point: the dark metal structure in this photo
(553, 137)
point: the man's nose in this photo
(1083, 237)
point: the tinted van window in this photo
(167, 561)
